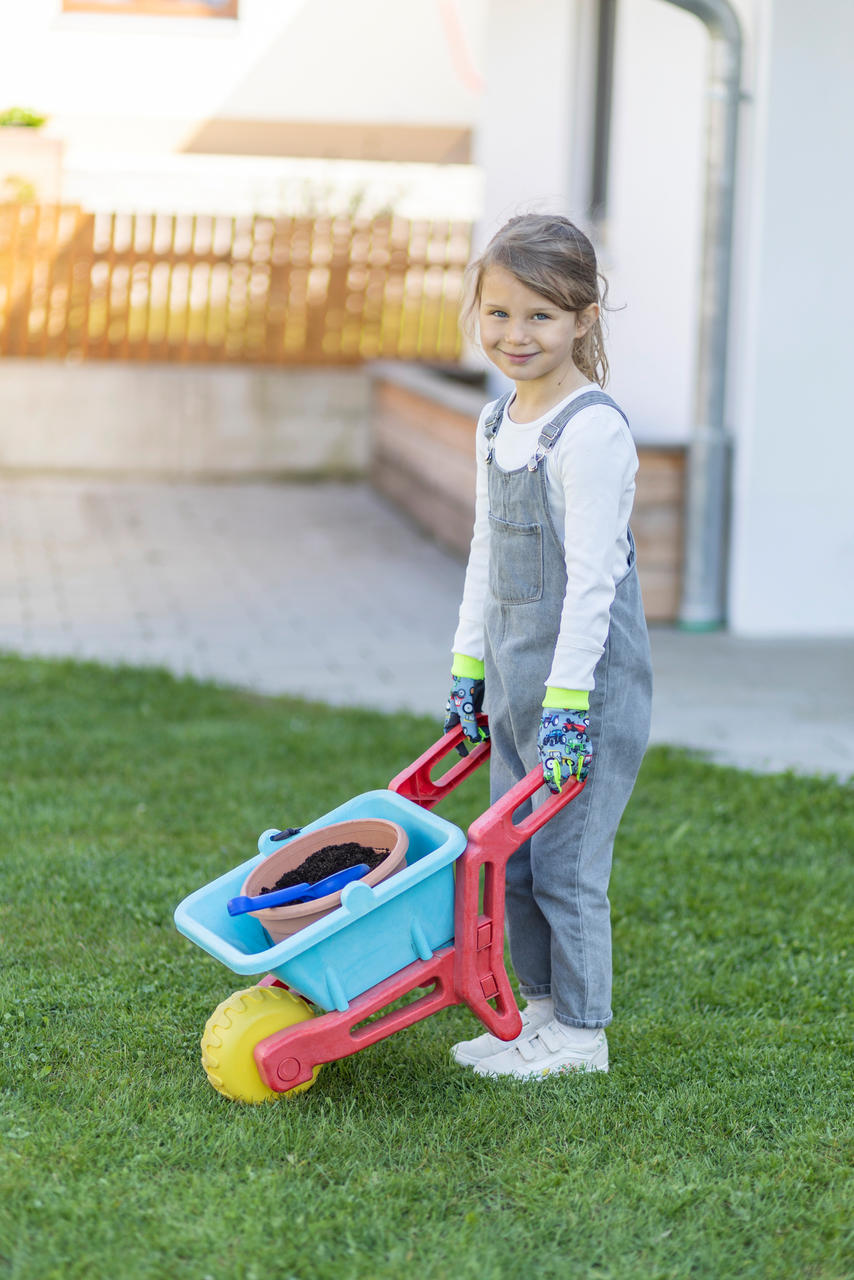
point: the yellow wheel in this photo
(232, 1032)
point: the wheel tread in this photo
(226, 1019)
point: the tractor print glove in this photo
(564, 745)
(465, 701)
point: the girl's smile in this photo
(529, 338)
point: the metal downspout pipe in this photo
(707, 501)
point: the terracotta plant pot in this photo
(375, 833)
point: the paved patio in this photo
(326, 592)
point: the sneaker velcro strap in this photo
(528, 1049)
(551, 1037)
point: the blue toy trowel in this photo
(297, 892)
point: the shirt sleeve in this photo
(596, 462)
(468, 638)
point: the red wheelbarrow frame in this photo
(469, 971)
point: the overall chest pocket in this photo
(515, 561)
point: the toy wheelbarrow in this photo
(421, 929)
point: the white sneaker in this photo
(552, 1049)
(468, 1053)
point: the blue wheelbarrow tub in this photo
(374, 933)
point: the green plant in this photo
(20, 117)
(17, 190)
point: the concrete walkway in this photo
(324, 591)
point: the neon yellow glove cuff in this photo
(567, 699)
(468, 668)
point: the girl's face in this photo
(528, 337)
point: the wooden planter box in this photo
(422, 458)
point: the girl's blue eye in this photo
(542, 315)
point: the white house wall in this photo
(652, 236)
(527, 127)
(792, 564)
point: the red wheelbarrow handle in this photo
(495, 827)
(480, 978)
(415, 783)
(479, 972)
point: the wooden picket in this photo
(190, 288)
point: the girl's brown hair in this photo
(550, 255)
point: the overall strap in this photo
(553, 430)
(493, 421)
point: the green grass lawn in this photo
(719, 1146)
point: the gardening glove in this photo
(563, 742)
(466, 700)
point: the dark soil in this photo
(326, 861)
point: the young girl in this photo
(552, 628)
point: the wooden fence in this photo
(182, 288)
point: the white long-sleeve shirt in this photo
(591, 486)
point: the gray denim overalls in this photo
(558, 915)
